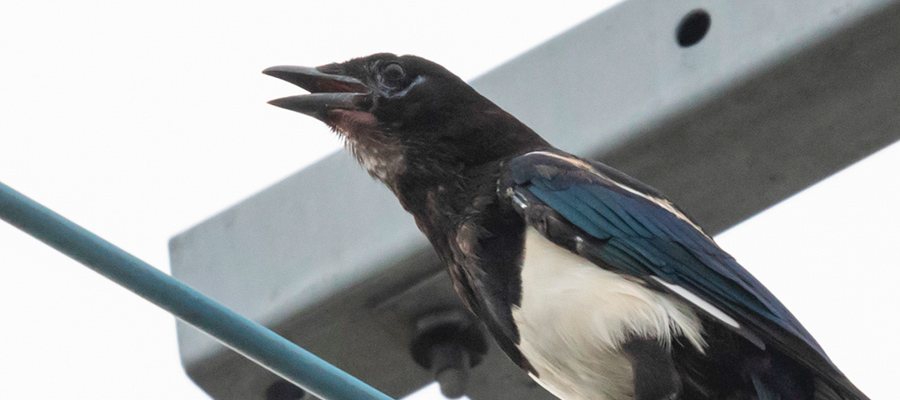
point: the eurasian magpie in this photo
(594, 283)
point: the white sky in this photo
(138, 120)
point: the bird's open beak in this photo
(327, 91)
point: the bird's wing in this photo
(629, 228)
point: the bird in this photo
(595, 284)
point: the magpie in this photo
(594, 283)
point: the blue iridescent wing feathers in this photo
(634, 230)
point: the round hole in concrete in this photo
(692, 28)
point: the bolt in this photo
(448, 344)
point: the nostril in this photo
(692, 28)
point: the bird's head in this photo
(398, 112)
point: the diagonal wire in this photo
(248, 338)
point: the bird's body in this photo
(597, 310)
(594, 283)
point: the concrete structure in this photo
(774, 97)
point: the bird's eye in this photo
(393, 73)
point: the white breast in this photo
(574, 316)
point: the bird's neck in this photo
(442, 195)
(494, 134)
(454, 184)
